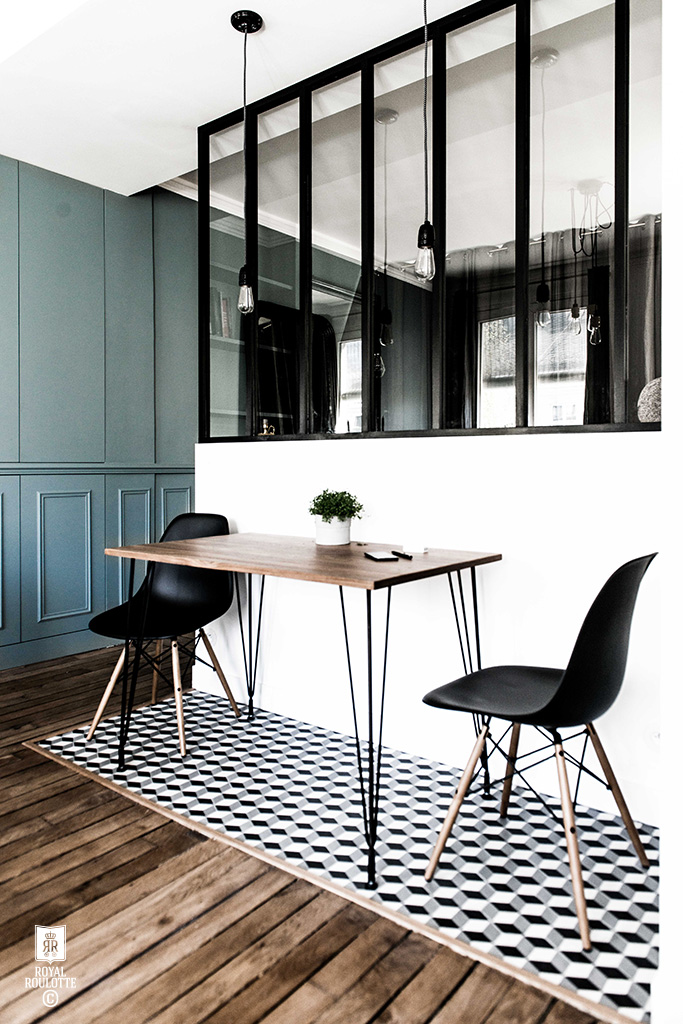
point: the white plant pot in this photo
(337, 532)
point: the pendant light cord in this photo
(424, 114)
(543, 175)
(244, 139)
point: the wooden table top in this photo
(300, 558)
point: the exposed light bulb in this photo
(245, 300)
(594, 334)
(543, 299)
(575, 318)
(425, 264)
(386, 335)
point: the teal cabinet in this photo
(175, 283)
(61, 309)
(9, 310)
(129, 520)
(129, 321)
(62, 545)
(174, 495)
(10, 622)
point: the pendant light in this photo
(596, 218)
(245, 22)
(425, 267)
(543, 59)
(385, 117)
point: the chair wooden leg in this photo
(107, 693)
(178, 694)
(512, 760)
(456, 803)
(219, 673)
(155, 671)
(618, 795)
(572, 846)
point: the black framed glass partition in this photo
(541, 124)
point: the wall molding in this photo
(44, 616)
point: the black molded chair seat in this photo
(173, 601)
(517, 693)
(551, 699)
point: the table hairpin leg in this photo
(250, 651)
(369, 768)
(466, 649)
(128, 698)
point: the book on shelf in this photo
(226, 319)
(220, 314)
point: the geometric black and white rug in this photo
(502, 886)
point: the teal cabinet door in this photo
(129, 282)
(62, 551)
(10, 612)
(61, 307)
(174, 495)
(175, 275)
(9, 310)
(129, 520)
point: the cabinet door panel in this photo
(62, 541)
(61, 263)
(9, 560)
(174, 495)
(129, 520)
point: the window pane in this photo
(336, 380)
(402, 303)
(571, 199)
(645, 206)
(227, 363)
(480, 238)
(277, 353)
(561, 369)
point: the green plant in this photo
(331, 505)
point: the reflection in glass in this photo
(402, 308)
(645, 203)
(336, 377)
(479, 386)
(571, 197)
(227, 362)
(561, 369)
(278, 328)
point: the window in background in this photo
(560, 383)
(277, 305)
(227, 359)
(335, 360)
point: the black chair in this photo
(173, 601)
(551, 699)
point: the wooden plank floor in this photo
(166, 925)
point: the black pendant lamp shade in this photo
(246, 22)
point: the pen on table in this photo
(402, 554)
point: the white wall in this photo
(564, 510)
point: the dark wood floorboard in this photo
(166, 925)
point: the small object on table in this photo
(402, 554)
(382, 556)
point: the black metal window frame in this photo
(365, 66)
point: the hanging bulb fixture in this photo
(245, 22)
(594, 335)
(543, 59)
(425, 264)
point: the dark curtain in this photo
(277, 393)
(598, 394)
(461, 355)
(324, 376)
(644, 308)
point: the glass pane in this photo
(480, 224)
(227, 363)
(571, 250)
(336, 377)
(402, 303)
(645, 212)
(561, 369)
(277, 355)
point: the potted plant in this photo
(333, 511)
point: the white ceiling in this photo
(111, 91)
